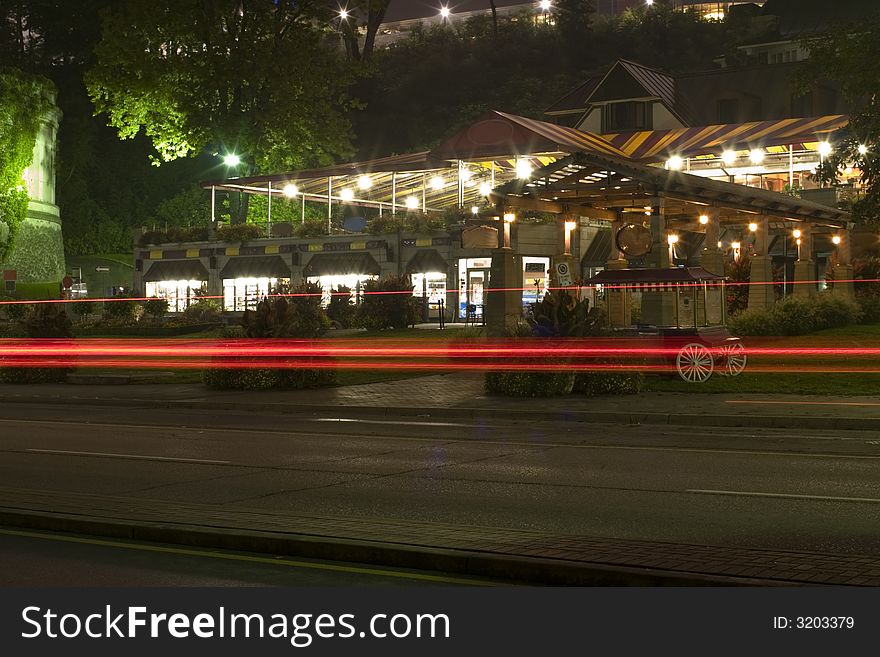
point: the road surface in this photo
(798, 490)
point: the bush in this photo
(124, 312)
(174, 234)
(341, 310)
(15, 312)
(84, 308)
(239, 233)
(387, 303)
(604, 382)
(299, 316)
(203, 311)
(529, 384)
(45, 321)
(738, 273)
(156, 307)
(797, 317)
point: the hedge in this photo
(797, 316)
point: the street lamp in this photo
(437, 183)
(343, 14)
(444, 12)
(523, 169)
(347, 194)
(412, 202)
(753, 227)
(825, 149)
(545, 5)
(863, 149)
(231, 160)
(485, 189)
(704, 219)
(675, 163)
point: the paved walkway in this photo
(491, 543)
(463, 394)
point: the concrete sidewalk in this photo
(462, 395)
(521, 555)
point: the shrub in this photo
(84, 308)
(797, 317)
(299, 316)
(45, 321)
(529, 384)
(604, 382)
(123, 312)
(341, 310)
(239, 233)
(738, 273)
(156, 307)
(15, 312)
(387, 303)
(203, 311)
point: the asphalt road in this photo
(799, 490)
(43, 559)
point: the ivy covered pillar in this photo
(30, 222)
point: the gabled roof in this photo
(655, 83)
(576, 99)
(500, 134)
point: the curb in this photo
(521, 570)
(472, 413)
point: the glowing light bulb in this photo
(231, 160)
(485, 189)
(437, 183)
(346, 194)
(728, 157)
(825, 149)
(756, 156)
(475, 210)
(836, 240)
(412, 202)
(672, 239)
(365, 182)
(523, 169)
(863, 150)
(675, 163)
(704, 219)
(290, 190)
(753, 227)
(796, 233)
(444, 12)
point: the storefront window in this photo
(178, 294)
(473, 277)
(433, 286)
(536, 280)
(330, 283)
(240, 294)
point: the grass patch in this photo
(773, 383)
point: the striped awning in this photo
(272, 266)
(498, 134)
(660, 144)
(342, 264)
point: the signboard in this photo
(479, 237)
(535, 267)
(563, 274)
(9, 275)
(102, 269)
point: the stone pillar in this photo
(843, 269)
(709, 306)
(761, 295)
(805, 267)
(618, 302)
(658, 308)
(504, 306)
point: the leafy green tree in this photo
(574, 20)
(262, 80)
(366, 15)
(850, 55)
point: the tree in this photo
(259, 79)
(369, 14)
(851, 56)
(574, 22)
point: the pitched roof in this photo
(576, 99)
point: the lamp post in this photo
(570, 226)
(509, 218)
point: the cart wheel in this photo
(734, 359)
(695, 363)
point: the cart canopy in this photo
(654, 278)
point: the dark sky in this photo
(405, 9)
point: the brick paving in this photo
(780, 566)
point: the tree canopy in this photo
(851, 56)
(258, 78)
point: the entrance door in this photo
(477, 279)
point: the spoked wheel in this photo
(695, 363)
(734, 359)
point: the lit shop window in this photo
(536, 281)
(331, 283)
(178, 294)
(240, 294)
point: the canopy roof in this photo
(176, 270)
(342, 264)
(601, 187)
(426, 261)
(272, 266)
